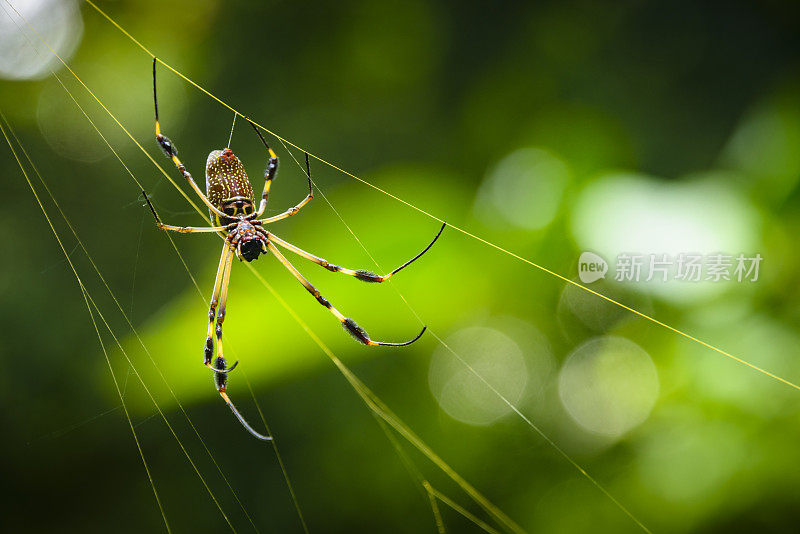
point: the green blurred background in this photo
(550, 128)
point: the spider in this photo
(231, 206)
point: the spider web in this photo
(380, 410)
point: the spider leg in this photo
(172, 152)
(295, 209)
(241, 419)
(218, 297)
(269, 173)
(347, 323)
(221, 381)
(220, 371)
(193, 229)
(184, 229)
(223, 301)
(366, 276)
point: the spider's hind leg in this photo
(360, 274)
(347, 323)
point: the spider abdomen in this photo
(227, 186)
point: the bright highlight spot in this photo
(23, 56)
(492, 355)
(608, 385)
(636, 214)
(524, 189)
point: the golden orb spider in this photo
(231, 202)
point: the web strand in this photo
(278, 457)
(474, 372)
(499, 248)
(130, 325)
(372, 401)
(233, 125)
(454, 227)
(434, 217)
(382, 410)
(111, 293)
(99, 337)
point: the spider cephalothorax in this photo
(231, 206)
(248, 240)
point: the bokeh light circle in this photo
(494, 356)
(524, 189)
(608, 385)
(23, 56)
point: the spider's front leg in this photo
(184, 229)
(219, 298)
(269, 173)
(172, 153)
(293, 210)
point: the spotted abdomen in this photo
(227, 186)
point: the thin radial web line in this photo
(124, 407)
(233, 125)
(136, 333)
(58, 433)
(154, 162)
(437, 514)
(404, 458)
(434, 493)
(374, 403)
(119, 306)
(416, 474)
(130, 363)
(139, 184)
(273, 441)
(163, 416)
(454, 227)
(457, 228)
(108, 288)
(472, 370)
(278, 456)
(371, 400)
(91, 315)
(130, 324)
(104, 107)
